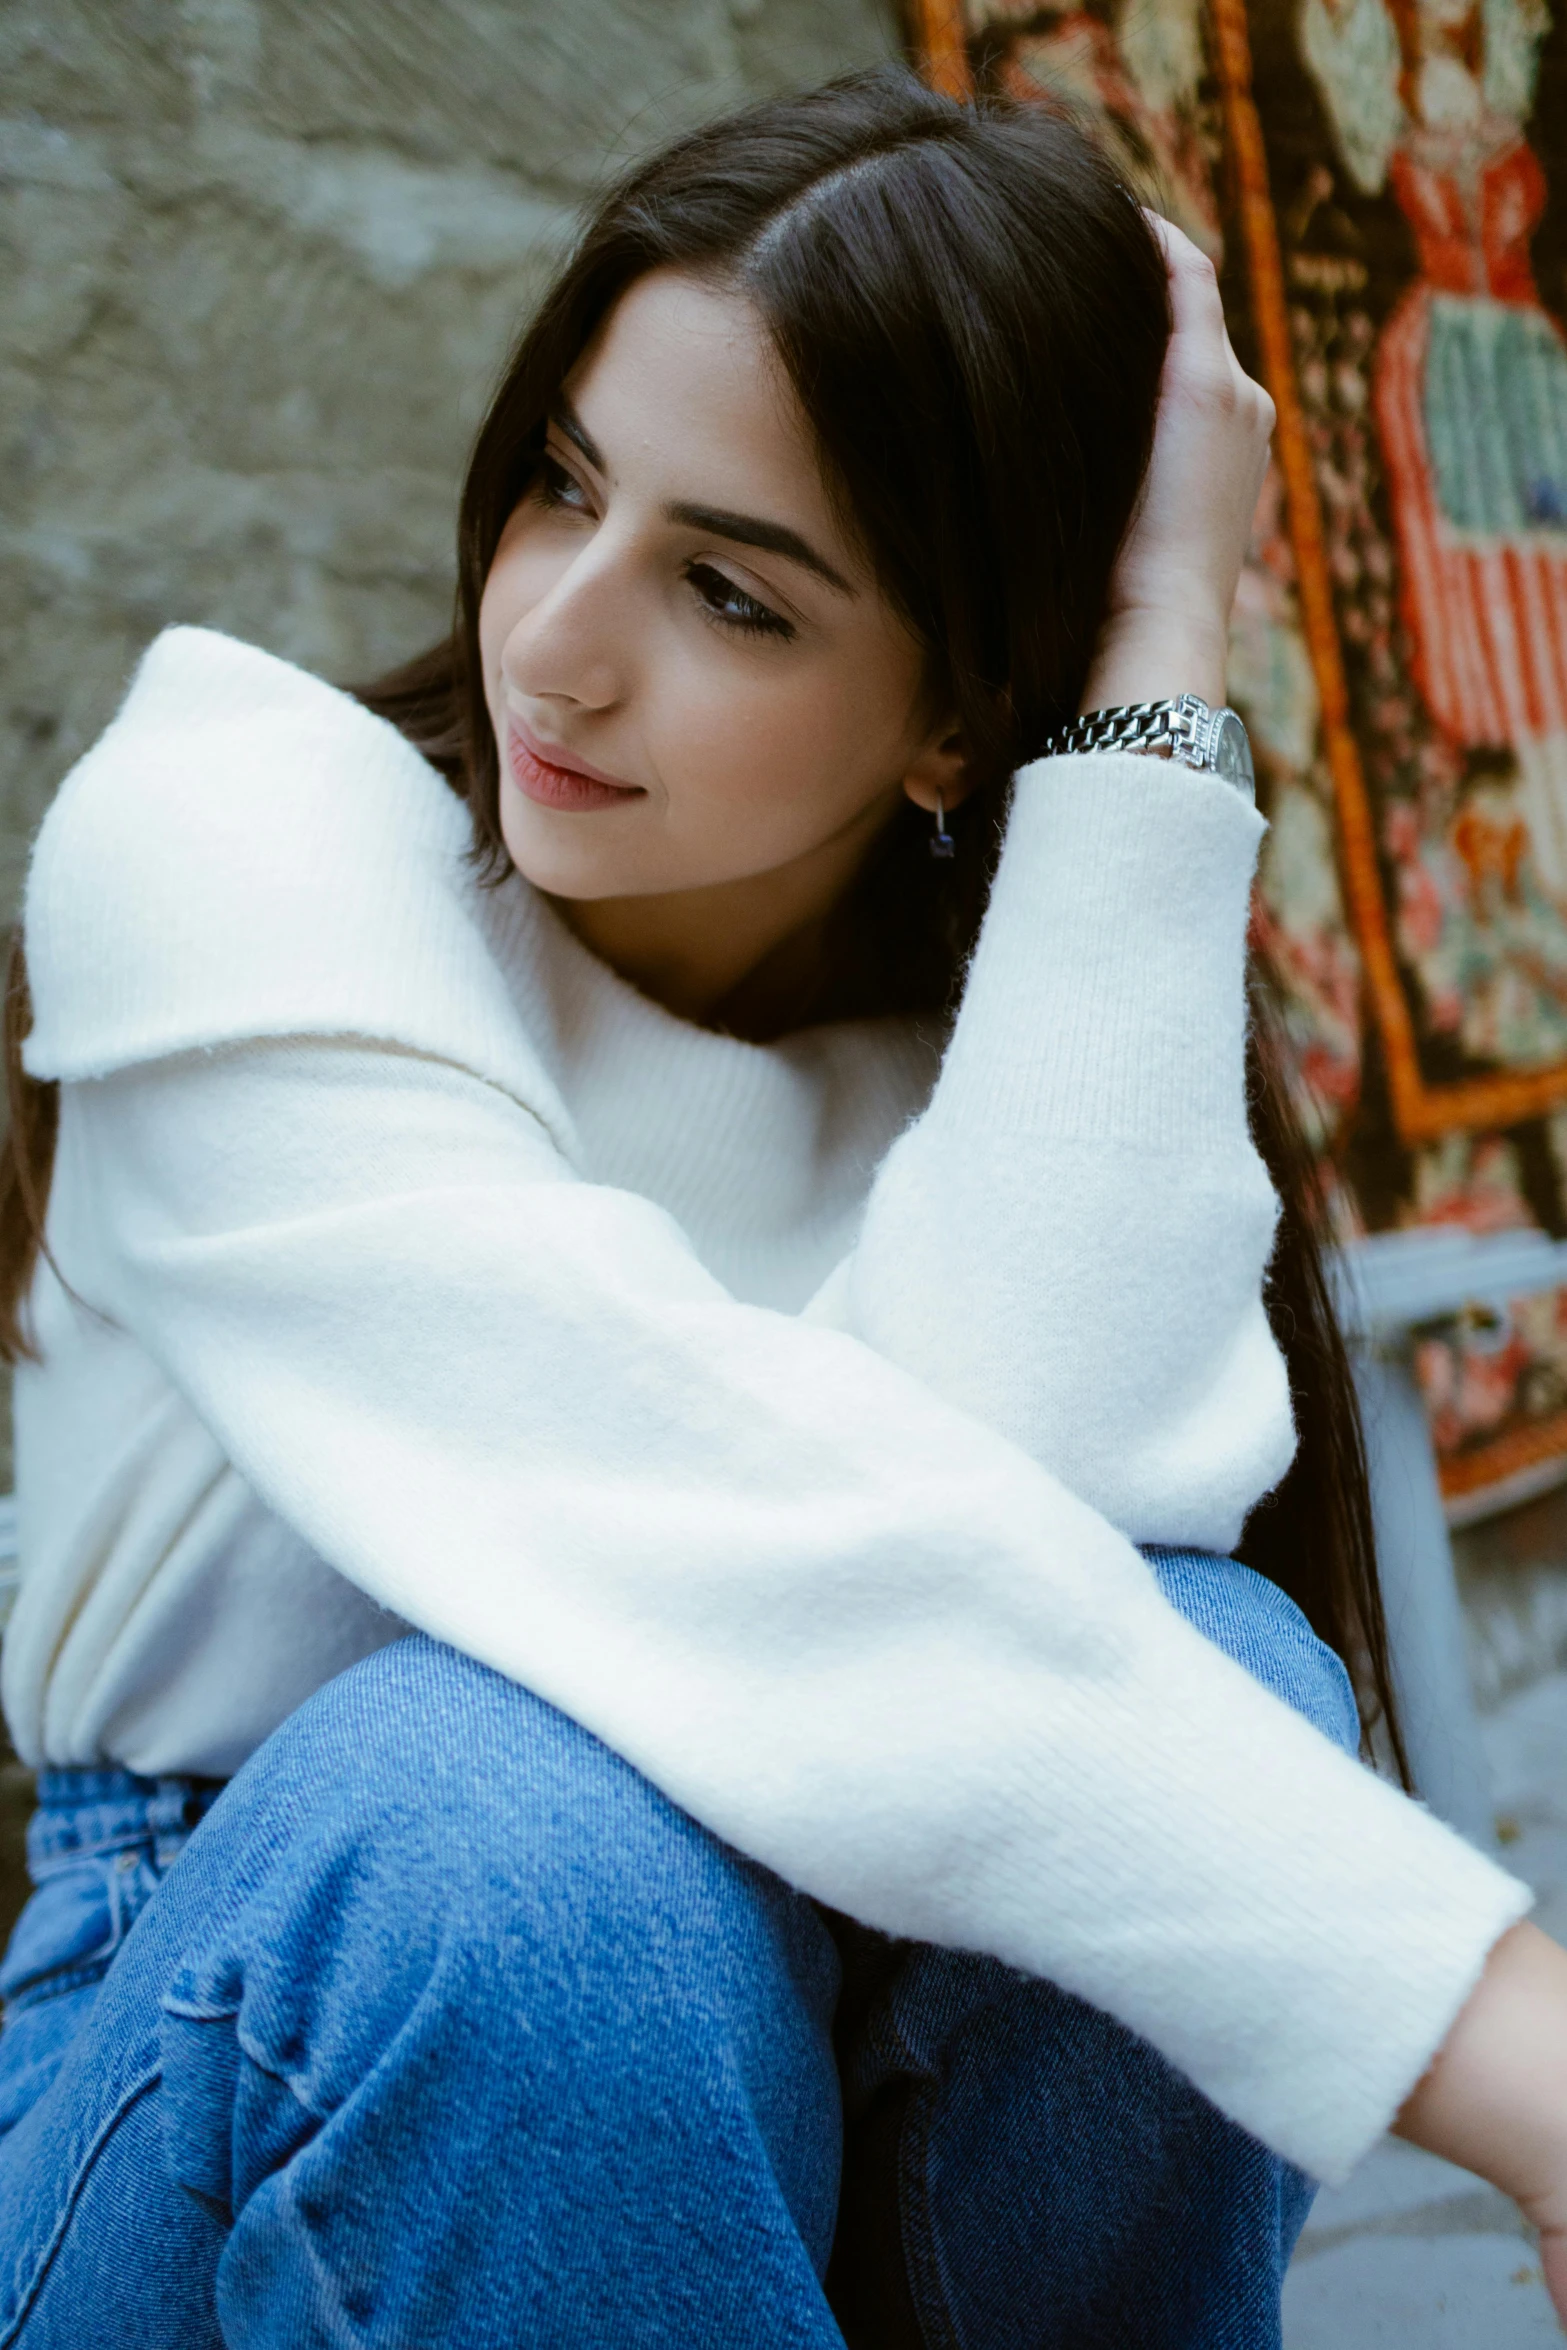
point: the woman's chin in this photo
(560, 856)
(577, 878)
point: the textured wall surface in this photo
(259, 260)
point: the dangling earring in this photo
(942, 843)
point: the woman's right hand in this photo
(1166, 624)
(1495, 2099)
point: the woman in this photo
(754, 1420)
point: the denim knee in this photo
(476, 1790)
(445, 2026)
(1261, 1627)
(470, 1880)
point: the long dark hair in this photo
(973, 312)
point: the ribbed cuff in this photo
(1107, 992)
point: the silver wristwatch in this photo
(1185, 730)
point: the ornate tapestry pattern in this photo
(1374, 180)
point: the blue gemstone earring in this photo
(942, 843)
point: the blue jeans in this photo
(445, 2028)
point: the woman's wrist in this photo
(1149, 657)
(1495, 2098)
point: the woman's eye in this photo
(557, 487)
(733, 606)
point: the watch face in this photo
(1232, 753)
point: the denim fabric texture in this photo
(441, 2025)
(96, 1848)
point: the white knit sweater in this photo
(420, 1265)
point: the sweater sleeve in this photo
(850, 1628)
(1070, 1244)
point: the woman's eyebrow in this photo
(744, 530)
(566, 419)
(749, 530)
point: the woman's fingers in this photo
(1256, 395)
(1194, 285)
(1174, 582)
(1199, 330)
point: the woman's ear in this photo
(941, 767)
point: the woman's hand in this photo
(1495, 2100)
(1167, 623)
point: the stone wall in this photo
(259, 260)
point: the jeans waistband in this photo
(106, 1810)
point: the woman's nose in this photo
(572, 644)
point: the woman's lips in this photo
(570, 787)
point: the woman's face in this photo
(692, 676)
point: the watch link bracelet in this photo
(1186, 730)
